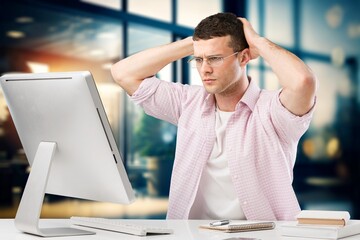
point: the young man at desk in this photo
(236, 143)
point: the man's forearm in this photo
(129, 72)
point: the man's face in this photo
(220, 79)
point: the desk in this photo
(183, 230)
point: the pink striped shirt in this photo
(262, 136)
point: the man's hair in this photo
(221, 25)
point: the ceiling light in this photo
(334, 16)
(353, 30)
(15, 34)
(338, 56)
(87, 20)
(24, 19)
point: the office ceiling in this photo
(57, 32)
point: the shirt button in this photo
(236, 176)
(244, 202)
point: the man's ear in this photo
(244, 56)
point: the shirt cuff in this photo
(146, 89)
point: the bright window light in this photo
(38, 67)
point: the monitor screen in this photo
(59, 116)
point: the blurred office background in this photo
(73, 35)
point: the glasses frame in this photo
(208, 62)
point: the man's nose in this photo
(205, 67)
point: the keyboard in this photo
(117, 225)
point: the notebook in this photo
(241, 226)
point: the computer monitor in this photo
(68, 142)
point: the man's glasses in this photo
(197, 62)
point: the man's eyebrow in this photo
(209, 56)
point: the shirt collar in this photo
(250, 96)
(209, 106)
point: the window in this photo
(279, 27)
(156, 9)
(323, 34)
(190, 13)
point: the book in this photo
(323, 217)
(294, 229)
(240, 226)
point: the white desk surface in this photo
(183, 230)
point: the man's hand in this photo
(251, 38)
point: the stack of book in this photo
(322, 225)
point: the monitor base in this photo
(28, 214)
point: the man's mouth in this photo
(208, 80)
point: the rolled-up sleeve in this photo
(289, 126)
(160, 99)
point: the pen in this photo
(219, 223)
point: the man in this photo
(236, 144)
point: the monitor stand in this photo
(28, 213)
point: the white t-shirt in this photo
(216, 197)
